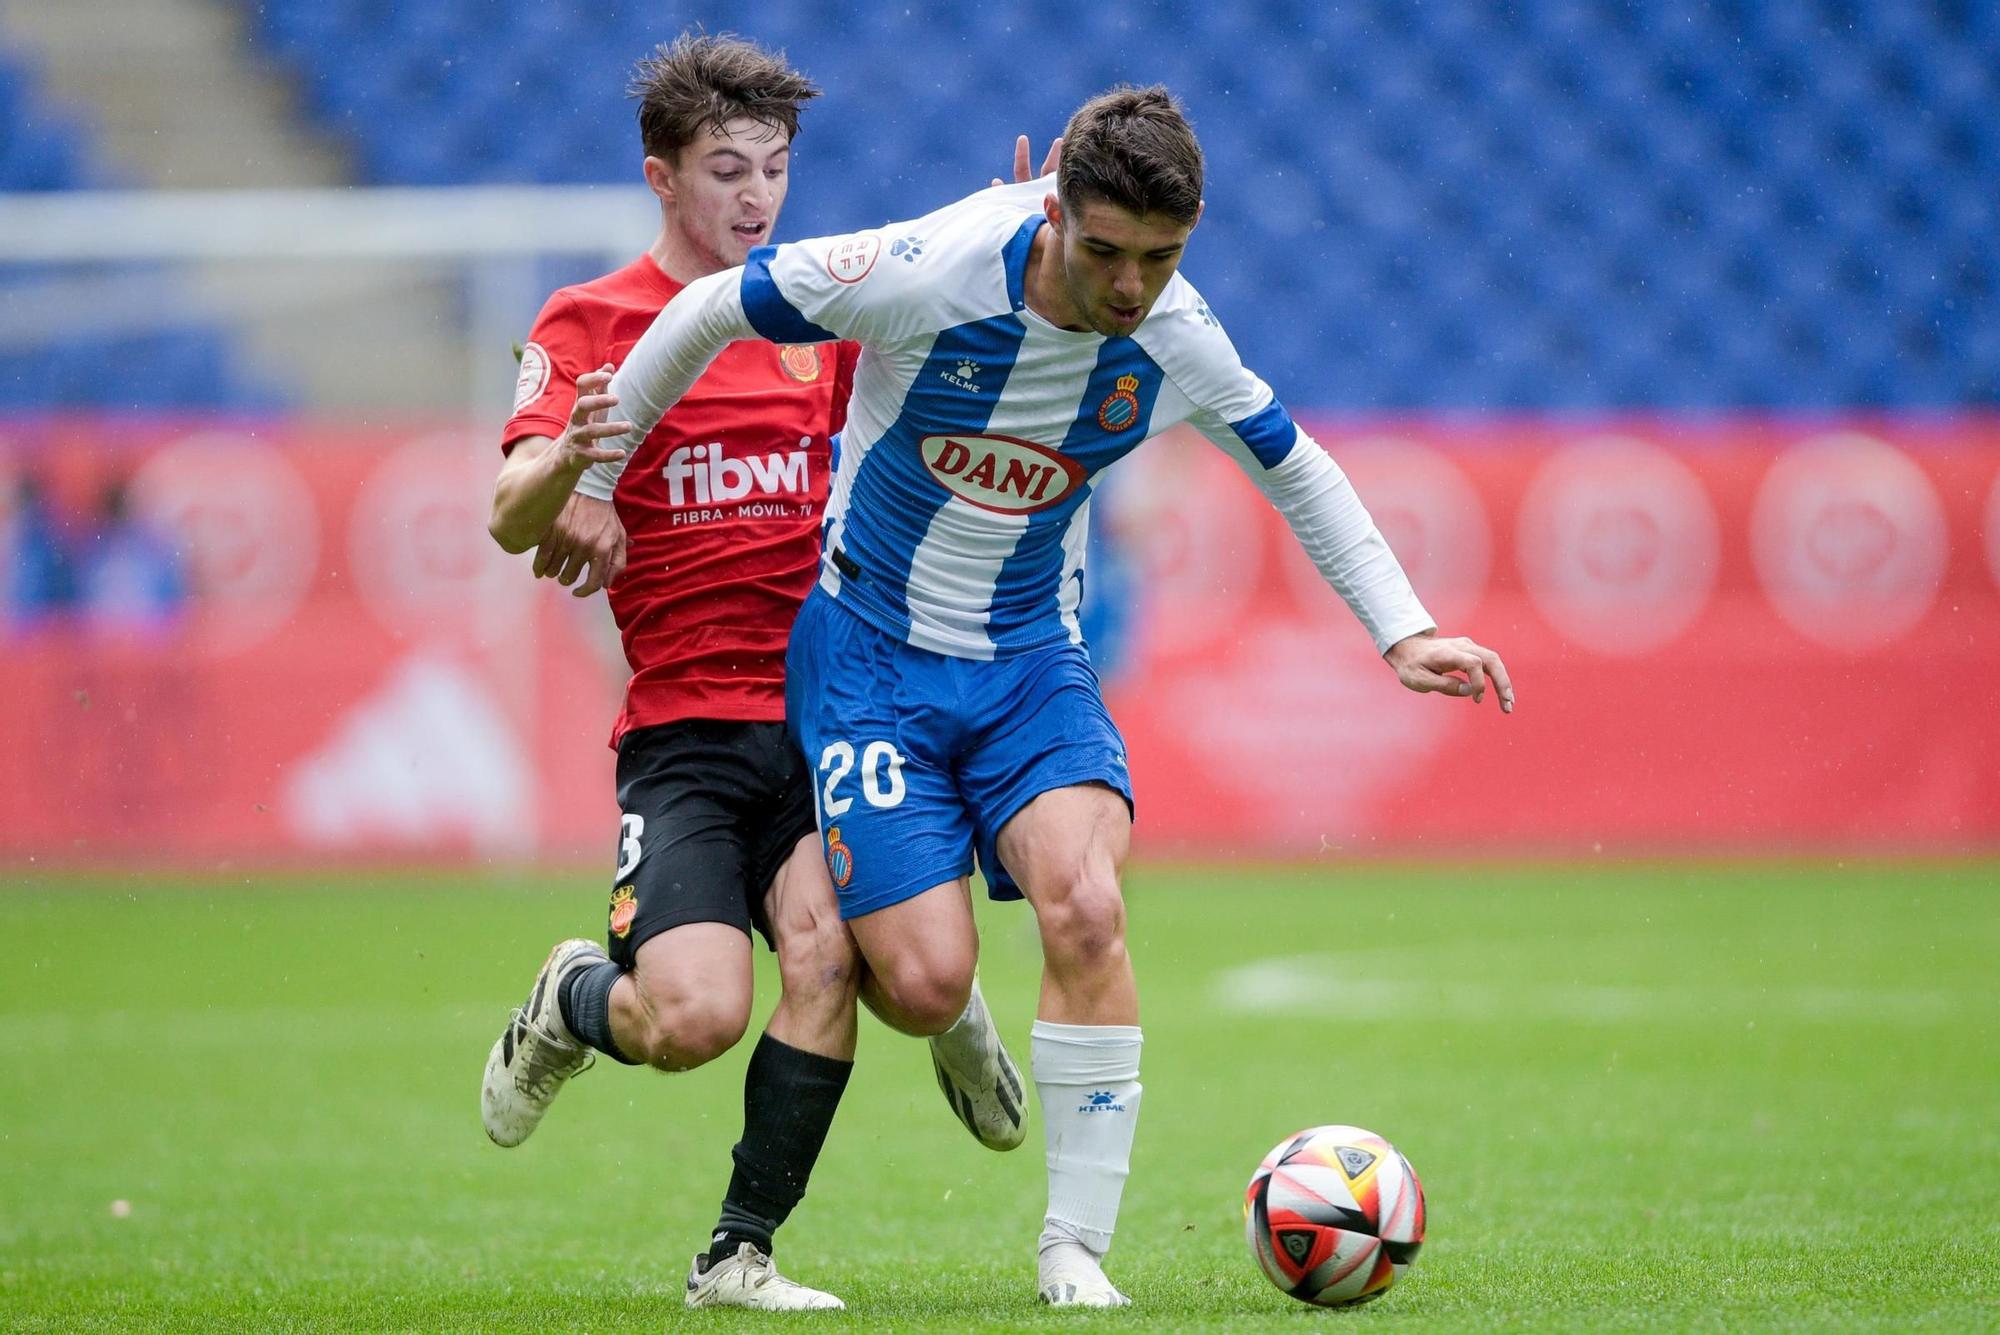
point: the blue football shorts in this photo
(919, 759)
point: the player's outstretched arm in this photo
(1451, 665)
(689, 333)
(540, 473)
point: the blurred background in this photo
(1661, 338)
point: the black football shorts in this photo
(712, 809)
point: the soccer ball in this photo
(1334, 1215)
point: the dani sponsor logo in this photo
(1001, 473)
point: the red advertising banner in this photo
(1726, 636)
(357, 671)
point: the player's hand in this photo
(579, 445)
(1049, 163)
(586, 539)
(1454, 666)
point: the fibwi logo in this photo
(1101, 1101)
(1120, 409)
(801, 362)
(839, 859)
(624, 908)
(713, 477)
(1001, 473)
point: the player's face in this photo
(726, 188)
(1115, 263)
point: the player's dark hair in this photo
(697, 81)
(1132, 147)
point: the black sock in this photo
(585, 1003)
(789, 1097)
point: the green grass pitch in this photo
(1666, 1097)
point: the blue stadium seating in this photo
(188, 366)
(1542, 204)
(38, 149)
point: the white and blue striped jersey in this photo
(961, 498)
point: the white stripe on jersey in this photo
(958, 564)
(870, 404)
(1070, 595)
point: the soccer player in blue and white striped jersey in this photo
(1015, 344)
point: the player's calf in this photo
(683, 1033)
(819, 964)
(687, 1000)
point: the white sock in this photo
(1088, 1078)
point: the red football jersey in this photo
(721, 503)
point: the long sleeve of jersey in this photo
(1237, 411)
(669, 357)
(1327, 516)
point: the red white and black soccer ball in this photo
(1334, 1215)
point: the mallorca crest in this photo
(624, 908)
(801, 362)
(1120, 409)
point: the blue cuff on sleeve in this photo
(769, 313)
(1269, 434)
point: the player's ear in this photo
(1199, 209)
(1052, 210)
(660, 177)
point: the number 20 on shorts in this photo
(881, 776)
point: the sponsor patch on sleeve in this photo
(851, 260)
(534, 379)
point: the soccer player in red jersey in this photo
(721, 503)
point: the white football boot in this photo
(536, 1052)
(749, 1279)
(979, 1078)
(1072, 1277)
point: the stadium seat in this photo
(188, 366)
(1544, 204)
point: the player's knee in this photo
(928, 996)
(687, 1032)
(1084, 923)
